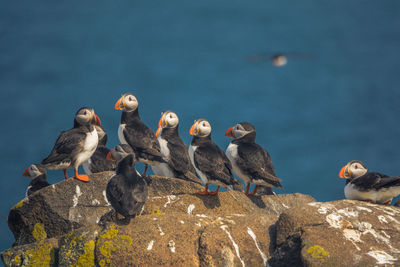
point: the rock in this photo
(60, 208)
(338, 233)
(176, 226)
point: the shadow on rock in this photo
(210, 202)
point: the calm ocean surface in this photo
(337, 100)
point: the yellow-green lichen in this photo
(44, 255)
(111, 241)
(17, 259)
(39, 233)
(87, 258)
(317, 252)
(18, 205)
(158, 212)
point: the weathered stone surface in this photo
(62, 207)
(338, 233)
(42, 253)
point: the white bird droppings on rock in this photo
(225, 229)
(381, 257)
(150, 246)
(190, 208)
(253, 235)
(334, 220)
(171, 245)
(76, 196)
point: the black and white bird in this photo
(368, 186)
(126, 190)
(75, 146)
(173, 149)
(38, 174)
(250, 161)
(98, 162)
(134, 132)
(209, 161)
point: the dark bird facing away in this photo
(127, 190)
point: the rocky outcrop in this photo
(180, 228)
(338, 233)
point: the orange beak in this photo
(26, 173)
(191, 132)
(229, 132)
(341, 173)
(97, 119)
(108, 157)
(159, 126)
(118, 104)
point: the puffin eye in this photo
(356, 166)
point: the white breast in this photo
(121, 136)
(89, 146)
(232, 154)
(381, 196)
(192, 149)
(163, 169)
(164, 147)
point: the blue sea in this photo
(337, 99)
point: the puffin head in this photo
(127, 102)
(353, 169)
(200, 128)
(168, 119)
(120, 152)
(240, 130)
(34, 171)
(86, 116)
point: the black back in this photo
(374, 180)
(36, 184)
(127, 191)
(179, 160)
(254, 160)
(212, 161)
(140, 137)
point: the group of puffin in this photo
(85, 145)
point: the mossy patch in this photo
(39, 233)
(109, 242)
(317, 252)
(76, 250)
(18, 205)
(157, 212)
(44, 255)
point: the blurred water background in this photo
(336, 100)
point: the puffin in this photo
(368, 186)
(173, 149)
(75, 146)
(134, 132)
(126, 190)
(38, 174)
(250, 161)
(98, 162)
(209, 161)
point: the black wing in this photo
(66, 143)
(212, 161)
(115, 194)
(256, 162)
(143, 140)
(376, 181)
(179, 157)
